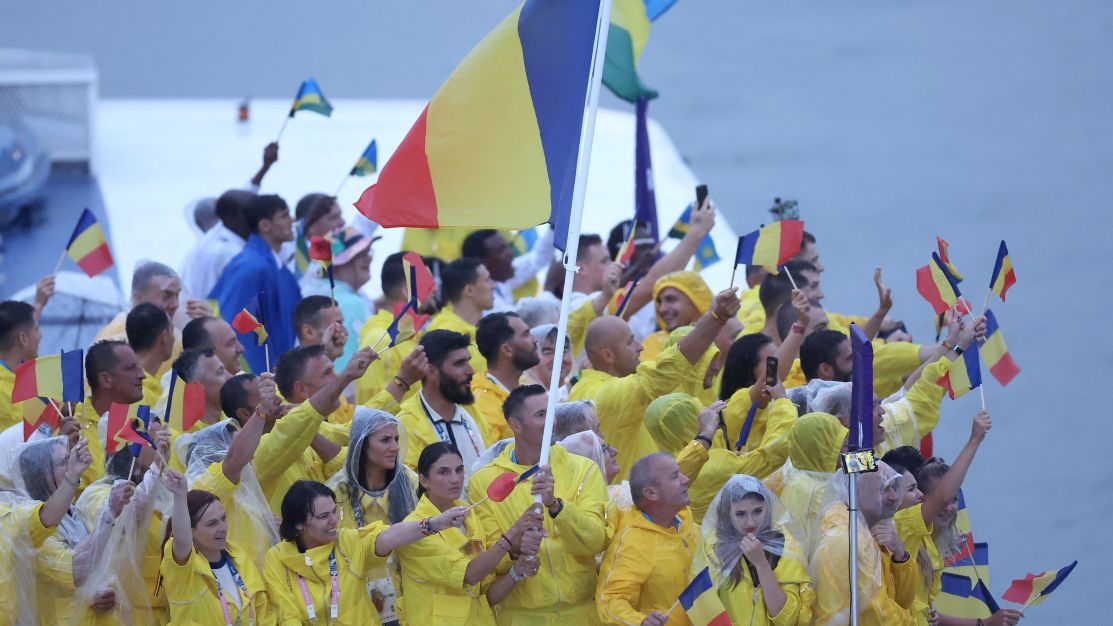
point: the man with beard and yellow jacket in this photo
(573, 496)
(444, 408)
(622, 388)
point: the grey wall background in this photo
(890, 122)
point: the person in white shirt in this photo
(508, 272)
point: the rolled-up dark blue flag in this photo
(645, 198)
(861, 398)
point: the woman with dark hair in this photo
(453, 577)
(375, 486)
(758, 567)
(207, 579)
(320, 571)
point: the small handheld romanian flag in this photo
(1033, 588)
(320, 250)
(407, 323)
(368, 162)
(770, 246)
(121, 427)
(88, 246)
(419, 280)
(311, 98)
(36, 412)
(185, 404)
(1003, 274)
(626, 252)
(944, 255)
(996, 352)
(246, 322)
(57, 376)
(965, 373)
(702, 604)
(503, 484)
(936, 284)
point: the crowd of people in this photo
(334, 478)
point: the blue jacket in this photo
(255, 272)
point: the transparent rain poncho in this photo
(814, 444)
(250, 522)
(489, 455)
(70, 555)
(400, 489)
(878, 499)
(722, 541)
(588, 445)
(17, 560)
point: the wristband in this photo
(515, 576)
(75, 482)
(507, 546)
(706, 440)
(426, 526)
(715, 316)
(797, 327)
(401, 383)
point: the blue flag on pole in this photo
(861, 394)
(645, 198)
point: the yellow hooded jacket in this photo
(646, 567)
(489, 396)
(563, 590)
(191, 590)
(745, 602)
(433, 573)
(354, 553)
(621, 402)
(692, 285)
(421, 433)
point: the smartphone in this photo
(701, 195)
(771, 365)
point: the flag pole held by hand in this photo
(791, 279)
(62, 258)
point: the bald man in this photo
(622, 389)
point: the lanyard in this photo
(334, 606)
(449, 436)
(356, 496)
(241, 587)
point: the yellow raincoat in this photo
(645, 568)
(446, 319)
(762, 432)
(383, 369)
(814, 444)
(354, 554)
(116, 330)
(621, 402)
(9, 413)
(87, 418)
(698, 388)
(563, 590)
(152, 389)
(433, 574)
(489, 396)
(910, 417)
(14, 520)
(745, 602)
(916, 534)
(421, 432)
(192, 590)
(692, 285)
(880, 580)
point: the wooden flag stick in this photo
(478, 502)
(62, 258)
(791, 279)
(131, 469)
(981, 392)
(343, 181)
(985, 305)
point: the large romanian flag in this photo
(626, 38)
(497, 145)
(57, 376)
(88, 246)
(770, 246)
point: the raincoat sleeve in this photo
(286, 604)
(336, 433)
(54, 564)
(799, 595)
(691, 459)
(626, 567)
(580, 523)
(367, 537)
(832, 604)
(926, 395)
(284, 445)
(578, 322)
(780, 415)
(892, 362)
(653, 379)
(434, 561)
(35, 528)
(906, 580)
(386, 402)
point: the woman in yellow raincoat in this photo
(450, 579)
(757, 564)
(319, 572)
(207, 579)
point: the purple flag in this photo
(861, 397)
(645, 198)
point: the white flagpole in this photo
(583, 160)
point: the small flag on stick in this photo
(1034, 588)
(57, 376)
(88, 246)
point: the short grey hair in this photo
(641, 475)
(834, 400)
(537, 311)
(571, 418)
(145, 272)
